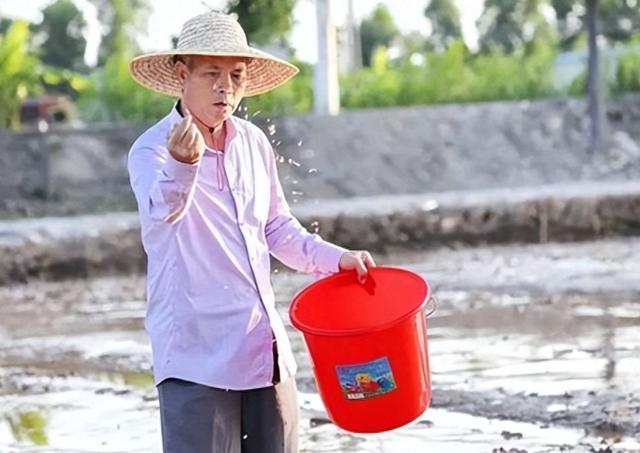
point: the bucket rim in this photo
(306, 329)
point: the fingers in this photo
(361, 270)
(359, 261)
(192, 137)
(362, 263)
(186, 124)
(179, 130)
(184, 139)
(173, 136)
(183, 128)
(368, 259)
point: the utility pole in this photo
(596, 108)
(354, 48)
(326, 88)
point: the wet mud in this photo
(532, 349)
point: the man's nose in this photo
(224, 83)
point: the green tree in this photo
(123, 21)
(264, 21)
(5, 24)
(507, 25)
(414, 43)
(617, 20)
(115, 96)
(295, 96)
(63, 44)
(18, 73)
(569, 17)
(444, 17)
(377, 30)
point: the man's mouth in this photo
(221, 104)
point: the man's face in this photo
(212, 86)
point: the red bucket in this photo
(368, 347)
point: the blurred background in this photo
(65, 60)
(461, 89)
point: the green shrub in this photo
(628, 73)
(295, 96)
(19, 72)
(113, 95)
(455, 76)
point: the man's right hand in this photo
(185, 142)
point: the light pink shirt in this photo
(211, 311)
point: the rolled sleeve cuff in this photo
(181, 172)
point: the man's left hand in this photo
(358, 260)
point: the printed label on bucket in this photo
(366, 380)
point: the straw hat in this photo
(212, 34)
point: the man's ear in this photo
(181, 71)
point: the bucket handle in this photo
(434, 301)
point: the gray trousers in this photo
(199, 419)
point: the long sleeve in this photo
(163, 186)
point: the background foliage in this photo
(19, 71)
(516, 56)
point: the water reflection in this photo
(28, 426)
(549, 345)
(546, 335)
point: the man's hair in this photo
(187, 60)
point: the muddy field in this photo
(532, 349)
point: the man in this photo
(212, 211)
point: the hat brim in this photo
(264, 71)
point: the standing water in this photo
(532, 349)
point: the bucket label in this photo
(366, 380)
